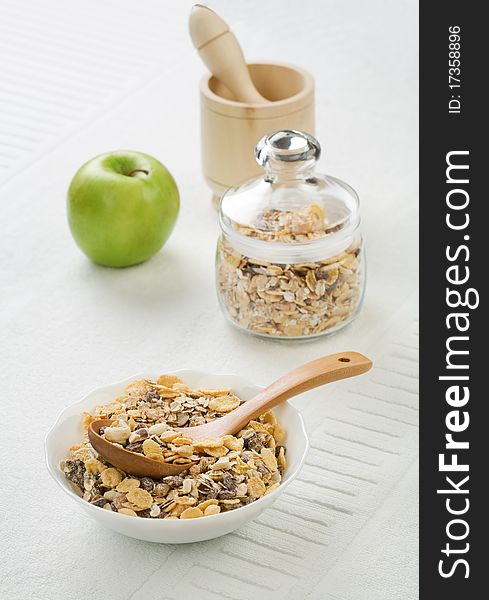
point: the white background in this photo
(80, 78)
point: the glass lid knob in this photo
(287, 146)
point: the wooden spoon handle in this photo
(306, 377)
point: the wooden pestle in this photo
(222, 54)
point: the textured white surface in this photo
(81, 78)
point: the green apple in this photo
(122, 207)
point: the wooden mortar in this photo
(230, 130)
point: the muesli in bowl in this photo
(224, 473)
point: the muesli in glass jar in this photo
(290, 258)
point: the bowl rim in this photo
(54, 470)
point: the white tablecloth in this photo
(82, 78)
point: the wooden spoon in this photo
(311, 375)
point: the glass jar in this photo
(290, 258)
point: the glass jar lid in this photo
(291, 212)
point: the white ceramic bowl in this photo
(67, 431)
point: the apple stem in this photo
(131, 173)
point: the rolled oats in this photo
(289, 299)
(224, 473)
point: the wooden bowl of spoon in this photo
(130, 462)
